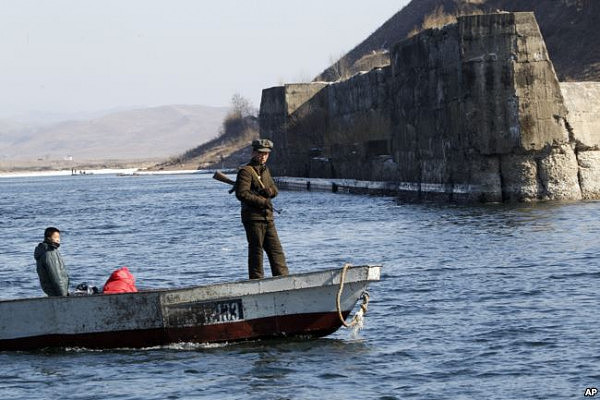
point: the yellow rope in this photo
(363, 307)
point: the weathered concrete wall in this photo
(294, 116)
(582, 100)
(472, 112)
(359, 122)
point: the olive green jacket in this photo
(256, 201)
(51, 270)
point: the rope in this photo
(358, 317)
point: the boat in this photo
(312, 304)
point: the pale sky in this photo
(69, 56)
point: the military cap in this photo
(262, 145)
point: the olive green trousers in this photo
(262, 236)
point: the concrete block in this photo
(473, 110)
(519, 176)
(383, 168)
(541, 109)
(589, 174)
(485, 179)
(558, 173)
(433, 171)
(298, 94)
(582, 100)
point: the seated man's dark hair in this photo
(49, 231)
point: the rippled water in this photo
(475, 302)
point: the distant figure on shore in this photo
(255, 188)
(54, 277)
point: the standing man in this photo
(254, 189)
(51, 269)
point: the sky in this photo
(73, 56)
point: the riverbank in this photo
(102, 171)
(48, 165)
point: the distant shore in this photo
(91, 172)
(60, 164)
(31, 168)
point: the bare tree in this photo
(241, 107)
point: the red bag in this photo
(120, 281)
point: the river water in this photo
(475, 302)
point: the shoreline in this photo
(98, 171)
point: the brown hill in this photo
(568, 26)
(157, 132)
(229, 150)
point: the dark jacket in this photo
(51, 270)
(256, 201)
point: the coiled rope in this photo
(357, 320)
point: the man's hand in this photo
(268, 204)
(267, 192)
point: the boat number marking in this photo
(206, 313)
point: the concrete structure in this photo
(470, 112)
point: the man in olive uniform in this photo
(255, 189)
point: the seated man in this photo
(51, 269)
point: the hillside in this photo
(568, 26)
(158, 132)
(228, 150)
